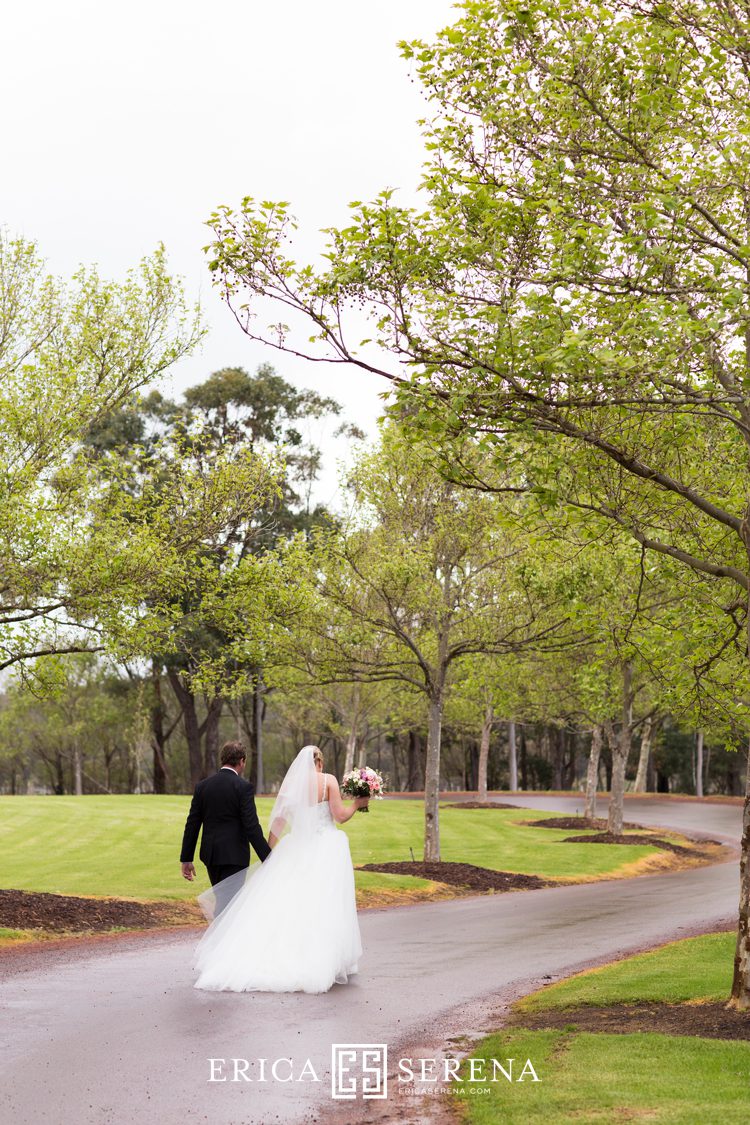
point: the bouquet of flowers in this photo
(363, 782)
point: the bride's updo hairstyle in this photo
(317, 755)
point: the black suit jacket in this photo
(224, 805)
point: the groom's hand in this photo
(188, 871)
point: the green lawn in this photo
(601, 1077)
(129, 845)
(692, 969)
(607, 1079)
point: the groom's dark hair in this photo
(232, 753)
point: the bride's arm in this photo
(339, 811)
(275, 832)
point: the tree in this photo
(230, 416)
(580, 276)
(488, 690)
(264, 411)
(77, 723)
(423, 576)
(68, 355)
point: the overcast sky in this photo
(125, 125)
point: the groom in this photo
(224, 805)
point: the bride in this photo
(292, 923)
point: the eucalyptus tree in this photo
(231, 418)
(264, 412)
(69, 354)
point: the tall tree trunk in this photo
(706, 766)
(512, 757)
(432, 777)
(60, 773)
(607, 756)
(415, 770)
(473, 764)
(524, 761)
(567, 744)
(77, 772)
(741, 981)
(592, 772)
(337, 761)
(258, 702)
(351, 741)
(186, 700)
(159, 770)
(158, 740)
(484, 752)
(544, 747)
(699, 764)
(557, 743)
(620, 752)
(396, 756)
(643, 756)
(651, 775)
(351, 746)
(210, 731)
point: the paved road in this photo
(114, 1033)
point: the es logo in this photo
(359, 1070)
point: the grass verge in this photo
(600, 1077)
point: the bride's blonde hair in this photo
(318, 755)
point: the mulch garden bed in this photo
(480, 805)
(625, 838)
(709, 1021)
(22, 910)
(574, 822)
(481, 879)
(605, 837)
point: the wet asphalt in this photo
(112, 1032)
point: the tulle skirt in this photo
(291, 927)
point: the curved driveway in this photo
(113, 1032)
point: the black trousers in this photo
(216, 874)
(223, 871)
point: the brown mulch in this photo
(709, 1021)
(462, 875)
(22, 910)
(625, 838)
(606, 837)
(575, 822)
(481, 805)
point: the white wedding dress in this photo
(292, 925)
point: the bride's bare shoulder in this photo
(327, 784)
